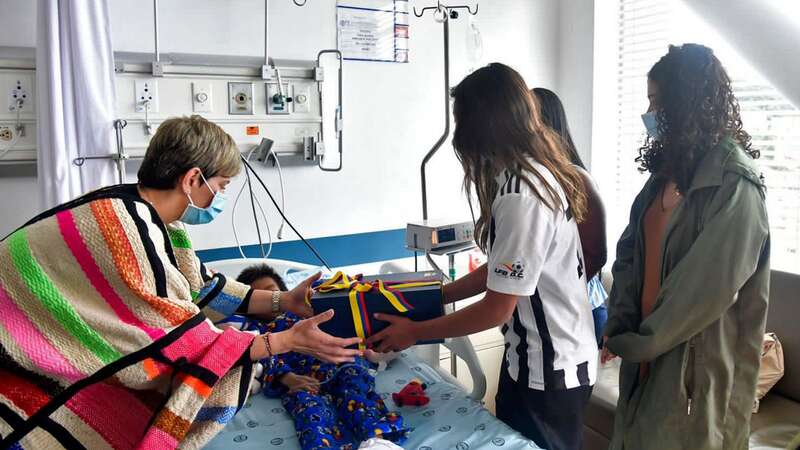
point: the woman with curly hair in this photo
(691, 277)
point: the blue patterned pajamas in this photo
(345, 412)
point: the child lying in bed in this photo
(333, 406)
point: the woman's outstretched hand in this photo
(306, 337)
(297, 301)
(399, 335)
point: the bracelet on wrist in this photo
(267, 343)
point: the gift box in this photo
(417, 296)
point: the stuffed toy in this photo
(412, 394)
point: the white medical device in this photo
(432, 235)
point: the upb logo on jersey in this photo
(513, 270)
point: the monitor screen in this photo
(446, 235)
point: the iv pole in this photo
(447, 13)
(446, 132)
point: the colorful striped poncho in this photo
(106, 331)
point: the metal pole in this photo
(121, 170)
(121, 156)
(338, 124)
(266, 32)
(266, 71)
(451, 262)
(118, 158)
(155, 28)
(446, 28)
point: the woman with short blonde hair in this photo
(107, 315)
(186, 142)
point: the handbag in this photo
(771, 369)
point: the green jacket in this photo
(703, 339)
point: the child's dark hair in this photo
(253, 273)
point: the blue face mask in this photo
(651, 124)
(194, 215)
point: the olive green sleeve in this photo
(623, 301)
(704, 284)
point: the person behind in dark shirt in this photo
(592, 230)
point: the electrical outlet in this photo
(278, 101)
(240, 98)
(6, 134)
(308, 148)
(146, 95)
(201, 97)
(19, 94)
(301, 98)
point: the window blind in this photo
(645, 29)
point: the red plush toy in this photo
(412, 394)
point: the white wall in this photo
(766, 36)
(604, 123)
(18, 23)
(575, 70)
(393, 112)
(19, 198)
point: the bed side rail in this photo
(460, 347)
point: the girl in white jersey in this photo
(531, 200)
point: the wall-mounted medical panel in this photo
(191, 84)
(244, 107)
(17, 114)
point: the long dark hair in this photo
(498, 127)
(696, 109)
(554, 116)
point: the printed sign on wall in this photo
(373, 30)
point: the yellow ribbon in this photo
(340, 281)
(354, 310)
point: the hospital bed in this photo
(454, 419)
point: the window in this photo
(789, 8)
(644, 30)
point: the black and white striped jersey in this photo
(535, 253)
